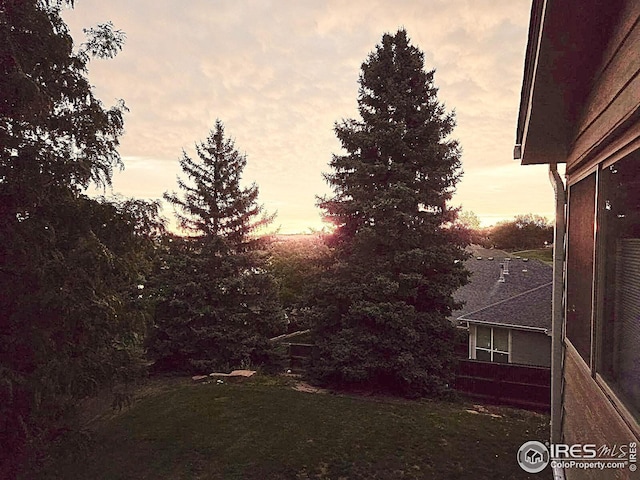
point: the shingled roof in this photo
(523, 300)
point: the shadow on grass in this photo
(263, 429)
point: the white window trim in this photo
(473, 337)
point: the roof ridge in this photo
(462, 317)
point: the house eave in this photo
(565, 45)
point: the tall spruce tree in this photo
(219, 305)
(382, 316)
(215, 205)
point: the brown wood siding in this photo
(620, 63)
(589, 417)
(628, 16)
(615, 95)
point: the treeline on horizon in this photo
(96, 293)
(523, 232)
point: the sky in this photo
(280, 73)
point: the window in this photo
(580, 249)
(492, 344)
(619, 205)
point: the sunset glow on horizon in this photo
(280, 74)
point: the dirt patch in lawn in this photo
(307, 388)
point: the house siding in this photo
(603, 128)
(530, 348)
(589, 417)
(606, 130)
(614, 99)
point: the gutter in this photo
(557, 313)
(510, 326)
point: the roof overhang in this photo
(564, 49)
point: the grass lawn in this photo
(542, 254)
(263, 429)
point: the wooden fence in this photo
(523, 386)
(299, 355)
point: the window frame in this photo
(598, 322)
(473, 345)
(630, 414)
(590, 360)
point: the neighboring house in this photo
(580, 105)
(507, 308)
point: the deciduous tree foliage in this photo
(218, 304)
(469, 224)
(297, 264)
(382, 314)
(73, 317)
(48, 109)
(71, 320)
(522, 233)
(469, 219)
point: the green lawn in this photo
(263, 429)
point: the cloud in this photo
(279, 74)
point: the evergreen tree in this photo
(382, 316)
(218, 303)
(215, 205)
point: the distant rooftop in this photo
(529, 311)
(522, 300)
